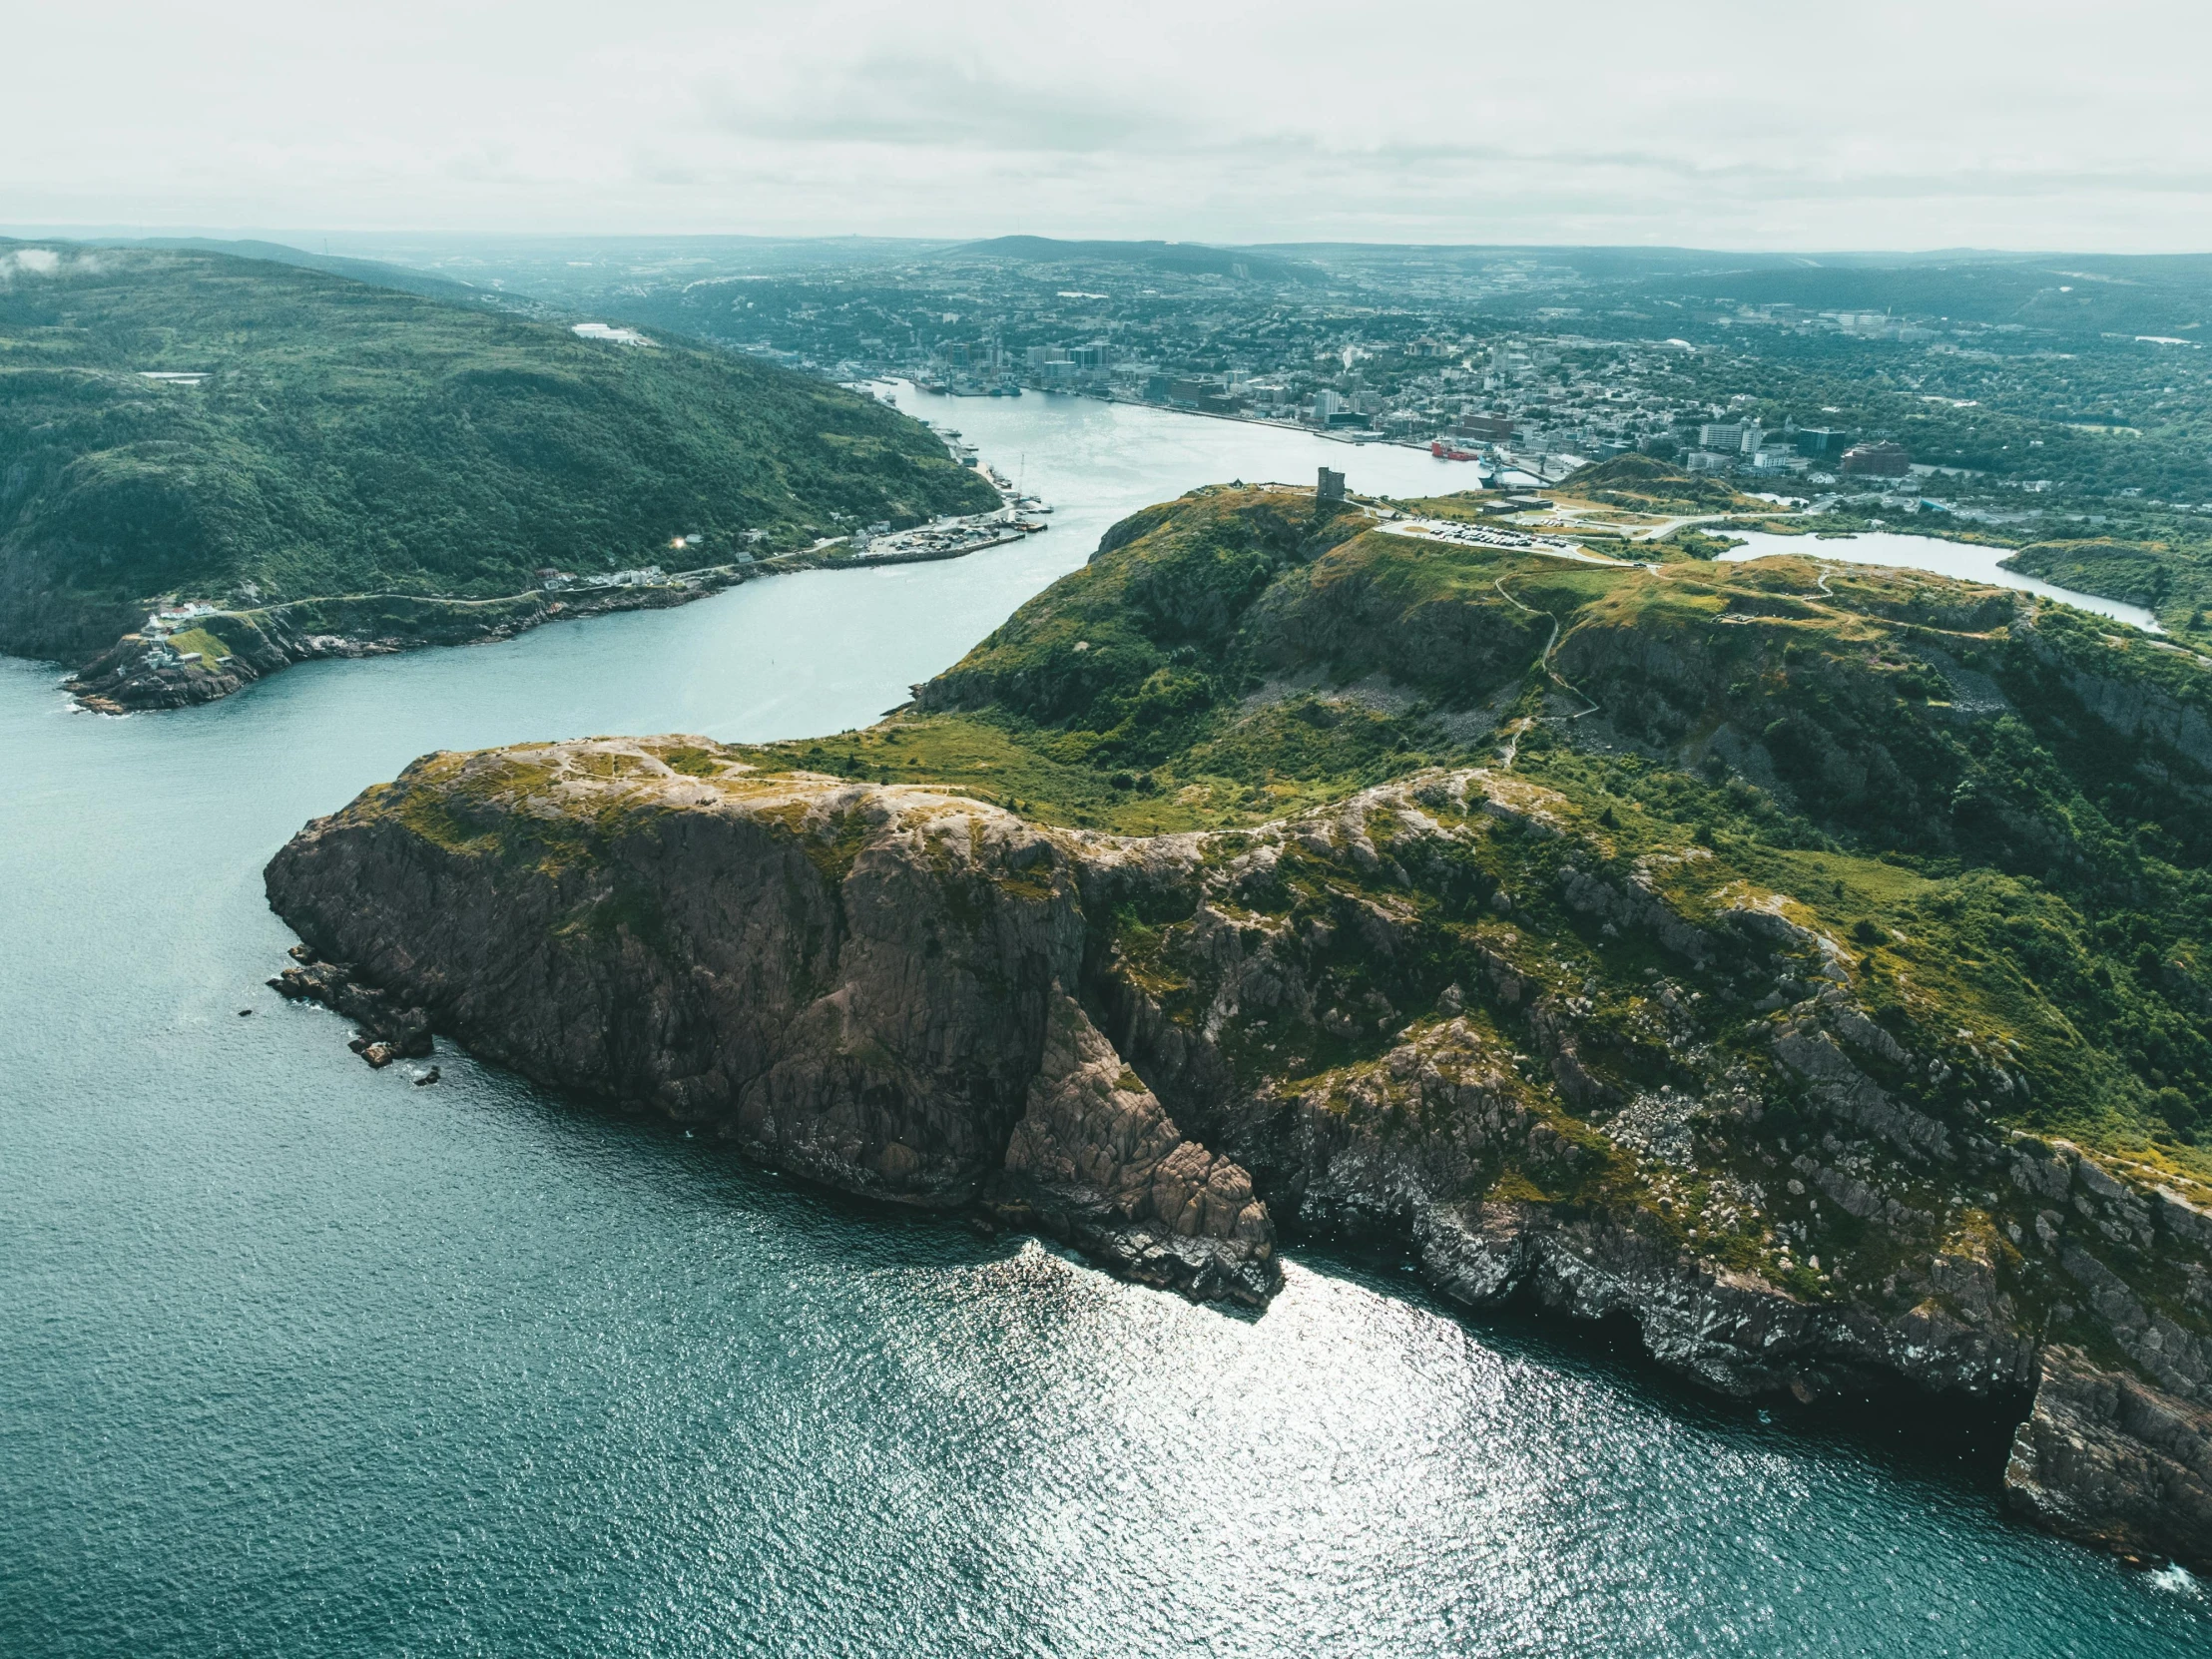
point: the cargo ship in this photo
(1449, 449)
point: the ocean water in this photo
(298, 1359)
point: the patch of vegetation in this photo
(1644, 482)
(202, 641)
(1700, 544)
(2173, 583)
(1831, 523)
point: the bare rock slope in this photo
(866, 986)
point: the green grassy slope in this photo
(2000, 804)
(351, 439)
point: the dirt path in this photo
(1520, 728)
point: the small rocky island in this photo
(1279, 868)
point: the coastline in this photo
(138, 672)
(141, 673)
(1109, 1118)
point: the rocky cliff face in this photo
(866, 986)
(1486, 1107)
(2114, 1463)
(1441, 1014)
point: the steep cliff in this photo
(1371, 1014)
(866, 986)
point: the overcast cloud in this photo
(1718, 124)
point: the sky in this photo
(1940, 124)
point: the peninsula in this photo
(1805, 961)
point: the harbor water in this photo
(298, 1359)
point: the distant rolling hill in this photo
(1190, 257)
(344, 439)
(377, 272)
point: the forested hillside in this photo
(189, 424)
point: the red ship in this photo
(1445, 450)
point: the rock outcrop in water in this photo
(2113, 1462)
(1364, 1015)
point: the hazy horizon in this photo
(364, 242)
(1734, 129)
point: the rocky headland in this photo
(871, 988)
(1790, 964)
(917, 997)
